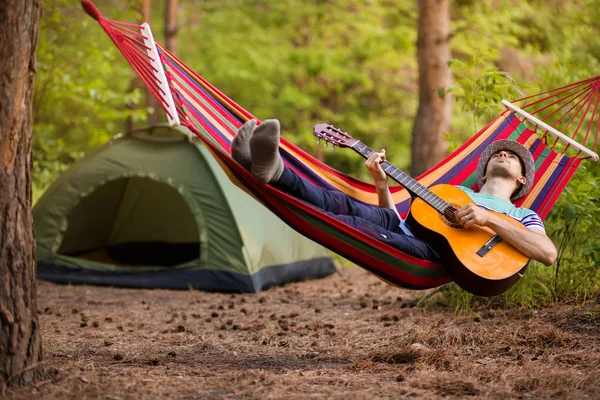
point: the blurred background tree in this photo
(435, 103)
(347, 62)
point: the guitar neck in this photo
(405, 180)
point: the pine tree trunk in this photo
(171, 7)
(154, 117)
(136, 82)
(434, 113)
(20, 340)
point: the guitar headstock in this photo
(333, 135)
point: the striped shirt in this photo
(525, 216)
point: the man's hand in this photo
(373, 165)
(472, 214)
(384, 196)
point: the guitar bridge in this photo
(489, 245)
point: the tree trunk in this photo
(20, 340)
(146, 10)
(137, 83)
(434, 113)
(154, 116)
(171, 7)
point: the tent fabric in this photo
(189, 278)
(134, 197)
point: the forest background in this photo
(350, 63)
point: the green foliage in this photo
(575, 226)
(480, 89)
(349, 63)
(52, 158)
(81, 94)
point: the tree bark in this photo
(137, 83)
(434, 113)
(154, 117)
(146, 10)
(171, 28)
(20, 340)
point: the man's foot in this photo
(267, 164)
(240, 146)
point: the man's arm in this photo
(380, 179)
(535, 245)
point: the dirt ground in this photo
(349, 336)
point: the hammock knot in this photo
(91, 9)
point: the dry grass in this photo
(349, 336)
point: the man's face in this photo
(505, 164)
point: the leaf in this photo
(570, 213)
(441, 92)
(452, 62)
(585, 187)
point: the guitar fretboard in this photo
(405, 180)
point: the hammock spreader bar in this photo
(580, 99)
(215, 118)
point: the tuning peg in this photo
(326, 144)
(318, 140)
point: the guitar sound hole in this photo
(449, 218)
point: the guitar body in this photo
(489, 274)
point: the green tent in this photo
(152, 209)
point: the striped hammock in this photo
(189, 100)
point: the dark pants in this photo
(380, 223)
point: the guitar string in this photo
(479, 231)
(448, 210)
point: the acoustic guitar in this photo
(476, 258)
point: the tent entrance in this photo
(133, 221)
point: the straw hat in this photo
(521, 151)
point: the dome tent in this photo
(151, 209)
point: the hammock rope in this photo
(215, 118)
(578, 99)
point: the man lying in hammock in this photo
(506, 172)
